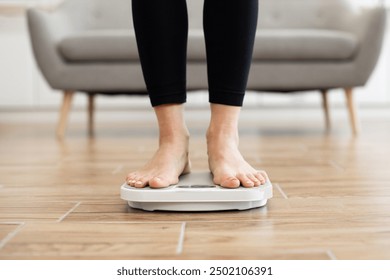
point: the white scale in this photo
(196, 192)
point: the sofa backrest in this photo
(303, 13)
(288, 13)
(98, 14)
(113, 14)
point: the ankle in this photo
(221, 134)
(174, 137)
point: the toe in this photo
(134, 181)
(252, 177)
(230, 182)
(265, 175)
(262, 176)
(131, 182)
(159, 182)
(245, 181)
(141, 182)
(130, 178)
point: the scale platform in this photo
(196, 192)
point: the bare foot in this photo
(165, 167)
(171, 159)
(228, 166)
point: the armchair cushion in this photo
(99, 46)
(304, 44)
(271, 44)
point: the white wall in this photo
(22, 86)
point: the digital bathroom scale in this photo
(196, 192)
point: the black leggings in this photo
(161, 29)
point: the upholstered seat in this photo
(304, 44)
(99, 45)
(293, 44)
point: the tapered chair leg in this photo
(91, 110)
(352, 110)
(325, 106)
(64, 113)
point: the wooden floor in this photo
(60, 200)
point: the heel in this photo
(187, 168)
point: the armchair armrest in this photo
(46, 29)
(368, 24)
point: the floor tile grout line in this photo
(60, 219)
(280, 190)
(179, 248)
(336, 165)
(11, 223)
(331, 255)
(304, 250)
(117, 169)
(64, 201)
(113, 222)
(11, 235)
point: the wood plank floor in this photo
(60, 199)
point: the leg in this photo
(65, 108)
(325, 106)
(229, 27)
(352, 111)
(161, 29)
(91, 110)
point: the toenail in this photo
(138, 183)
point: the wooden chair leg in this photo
(64, 113)
(325, 106)
(352, 110)
(91, 110)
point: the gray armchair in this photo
(89, 46)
